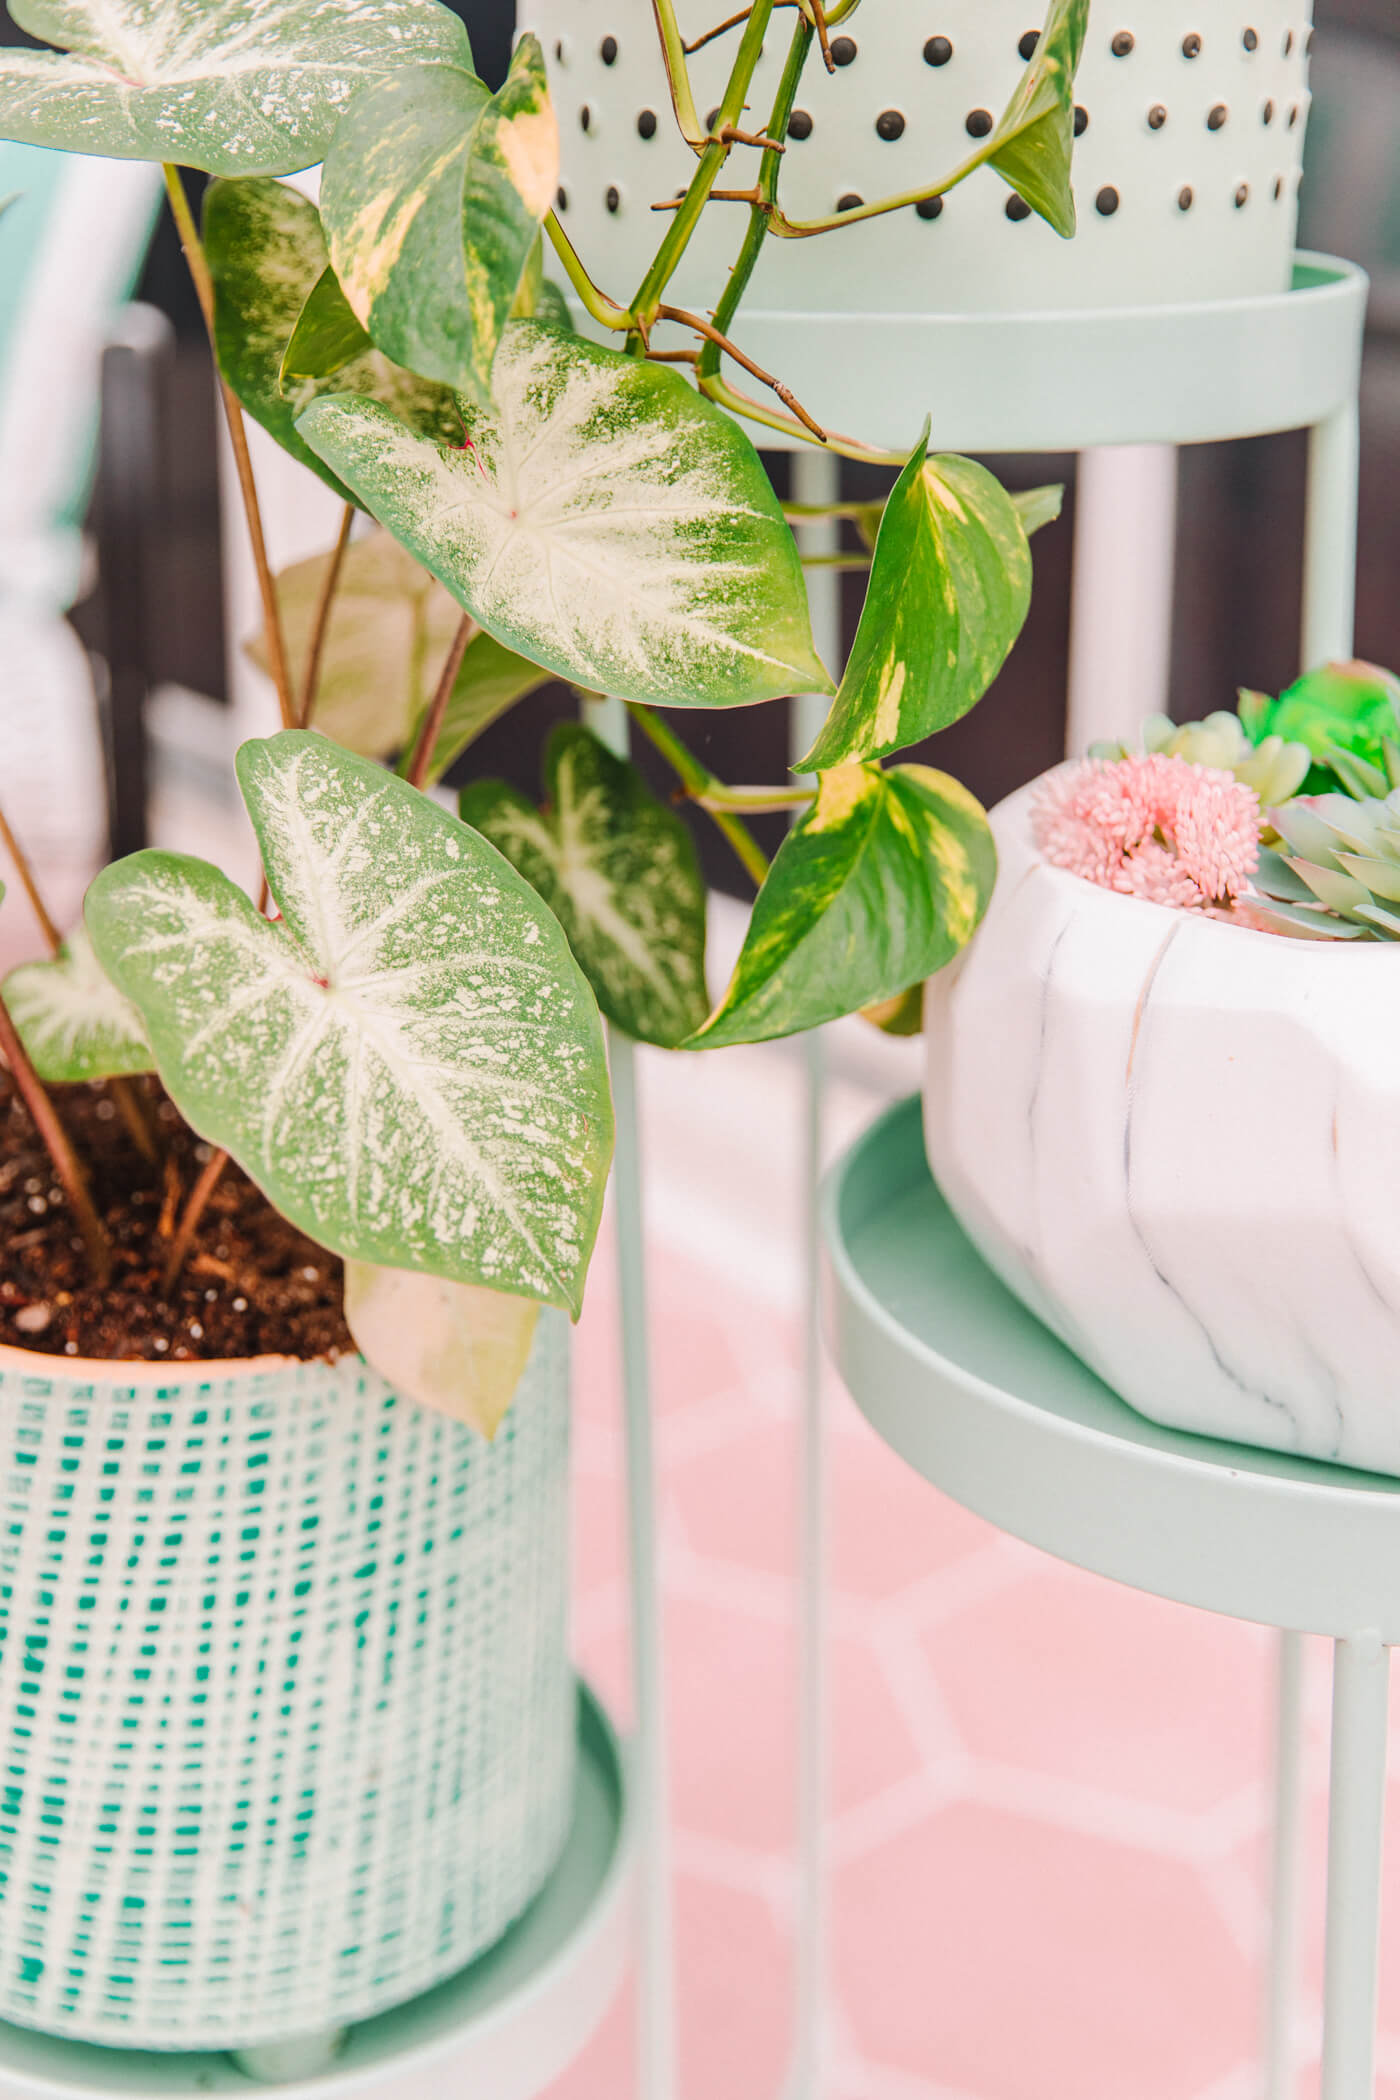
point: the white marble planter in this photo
(1178, 1142)
(1186, 173)
(286, 1705)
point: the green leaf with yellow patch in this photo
(604, 520)
(620, 873)
(1032, 147)
(390, 628)
(950, 587)
(238, 87)
(267, 256)
(433, 195)
(879, 884)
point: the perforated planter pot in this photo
(287, 1710)
(1178, 1142)
(1186, 171)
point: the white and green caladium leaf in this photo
(1033, 146)
(433, 195)
(604, 521)
(620, 873)
(267, 254)
(390, 628)
(239, 87)
(950, 587)
(451, 1346)
(72, 1020)
(409, 1064)
(878, 885)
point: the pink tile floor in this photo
(1051, 1796)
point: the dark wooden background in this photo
(1239, 549)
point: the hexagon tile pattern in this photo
(1050, 1796)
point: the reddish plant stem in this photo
(311, 677)
(190, 1217)
(57, 1144)
(432, 722)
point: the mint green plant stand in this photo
(977, 1396)
(503, 2029)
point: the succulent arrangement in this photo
(400, 1039)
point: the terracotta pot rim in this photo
(147, 1371)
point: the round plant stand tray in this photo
(506, 2027)
(983, 1401)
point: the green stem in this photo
(717, 389)
(715, 153)
(850, 562)
(678, 74)
(605, 311)
(753, 801)
(803, 229)
(697, 780)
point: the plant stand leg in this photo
(1121, 605)
(657, 2067)
(1355, 1826)
(1280, 2054)
(816, 479)
(1329, 556)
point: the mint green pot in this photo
(286, 1708)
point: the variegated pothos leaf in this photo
(1032, 147)
(619, 871)
(950, 587)
(604, 520)
(267, 254)
(877, 885)
(433, 194)
(72, 1020)
(391, 625)
(409, 1063)
(239, 87)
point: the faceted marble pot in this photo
(1178, 1142)
(286, 1706)
(1186, 169)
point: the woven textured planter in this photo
(1186, 172)
(288, 1715)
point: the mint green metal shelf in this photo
(987, 1404)
(503, 2029)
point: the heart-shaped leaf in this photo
(878, 884)
(391, 625)
(240, 87)
(433, 195)
(267, 255)
(1037, 508)
(72, 1020)
(451, 1346)
(1033, 146)
(410, 1063)
(950, 587)
(619, 871)
(604, 520)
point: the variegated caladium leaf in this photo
(433, 195)
(619, 871)
(390, 628)
(1033, 145)
(450, 1346)
(238, 87)
(267, 254)
(604, 521)
(409, 1063)
(877, 885)
(72, 1020)
(950, 587)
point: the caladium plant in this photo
(400, 1041)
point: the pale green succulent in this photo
(1340, 879)
(1273, 768)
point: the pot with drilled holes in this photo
(1178, 1142)
(1187, 164)
(289, 1713)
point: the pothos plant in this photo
(399, 1040)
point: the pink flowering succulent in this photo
(1151, 826)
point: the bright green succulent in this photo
(1274, 768)
(1340, 878)
(1341, 712)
